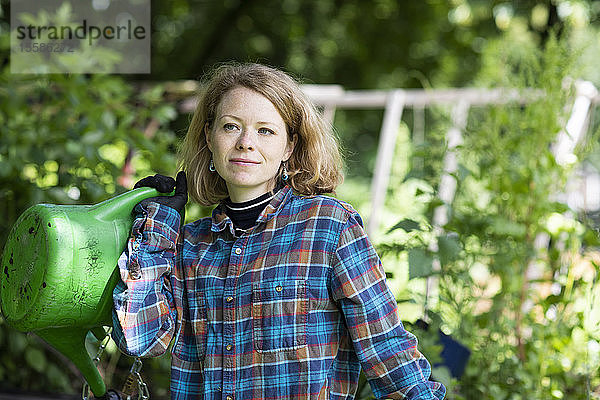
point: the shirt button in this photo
(229, 398)
(229, 347)
(238, 251)
(229, 299)
(279, 288)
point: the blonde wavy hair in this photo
(315, 166)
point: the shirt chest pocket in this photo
(279, 315)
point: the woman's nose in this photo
(245, 140)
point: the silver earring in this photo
(284, 174)
(211, 166)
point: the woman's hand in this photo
(165, 184)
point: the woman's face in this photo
(248, 141)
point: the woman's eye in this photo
(266, 131)
(229, 127)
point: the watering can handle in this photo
(112, 209)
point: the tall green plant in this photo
(521, 332)
(517, 266)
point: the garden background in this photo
(528, 313)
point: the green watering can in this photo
(59, 269)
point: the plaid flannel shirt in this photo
(291, 309)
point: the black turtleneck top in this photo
(244, 215)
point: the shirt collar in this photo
(220, 220)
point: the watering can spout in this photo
(71, 343)
(60, 269)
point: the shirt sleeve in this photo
(145, 316)
(387, 352)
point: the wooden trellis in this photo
(461, 100)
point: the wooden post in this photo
(418, 133)
(568, 139)
(385, 153)
(447, 187)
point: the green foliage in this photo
(420, 263)
(525, 311)
(408, 225)
(27, 363)
(65, 139)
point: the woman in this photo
(279, 294)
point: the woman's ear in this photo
(291, 144)
(207, 137)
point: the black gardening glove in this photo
(110, 395)
(165, 184)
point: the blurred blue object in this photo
(454, 354)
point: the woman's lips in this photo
(243, 161)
